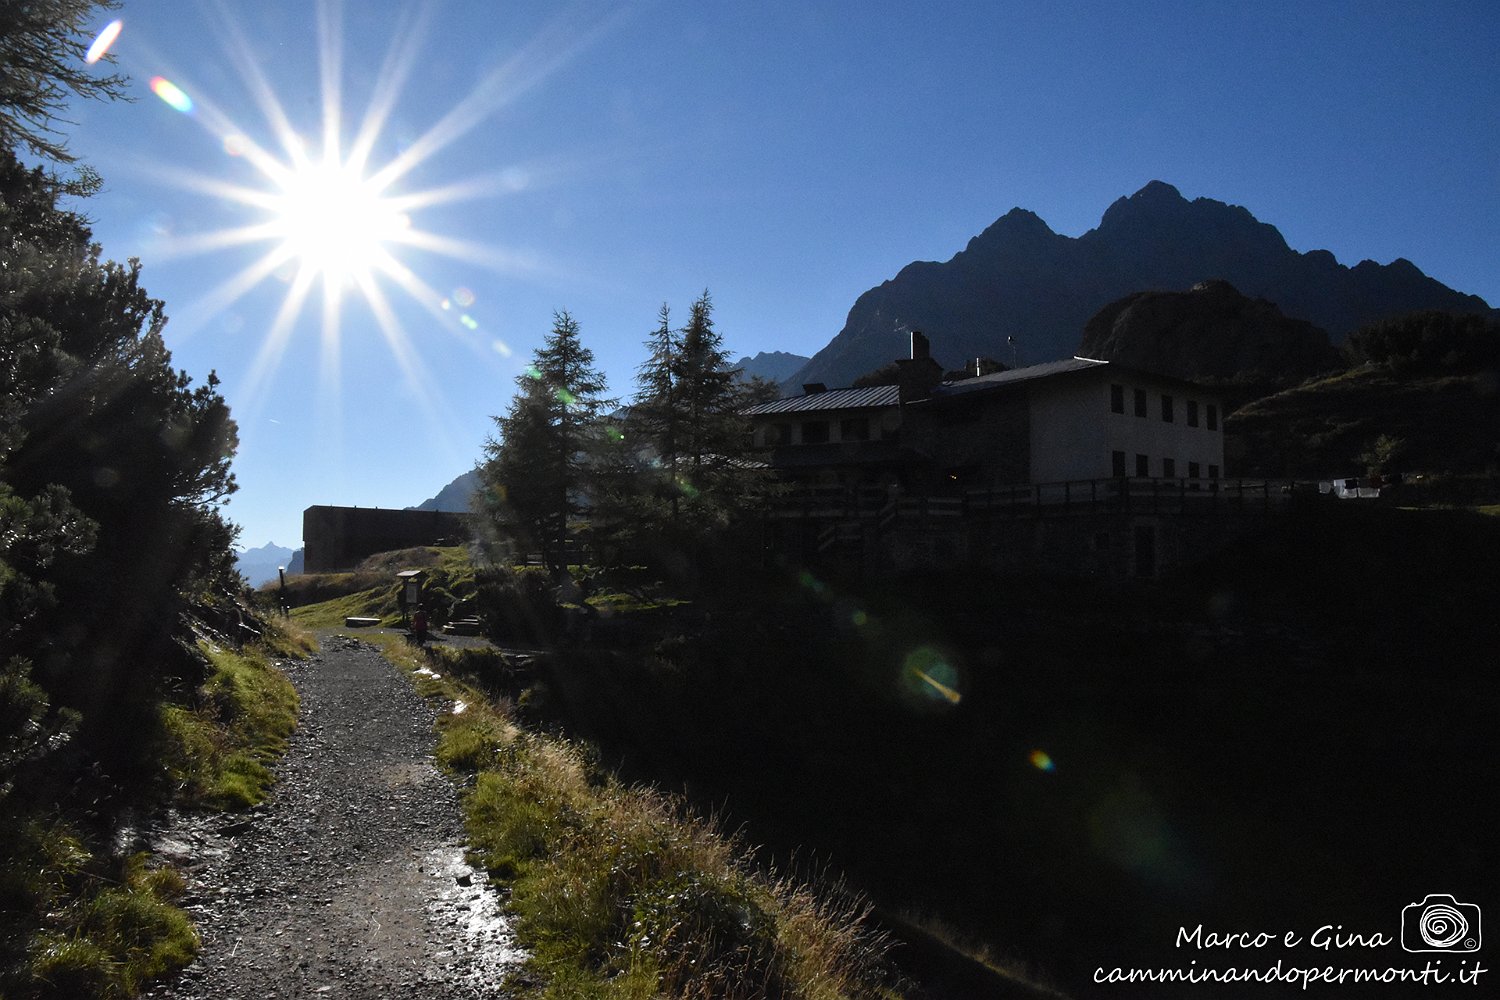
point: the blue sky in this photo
(605, 158)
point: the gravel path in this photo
(350, 880)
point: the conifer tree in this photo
(656, 420)
(536, 470)
(112, 464)
(42, 68)
(686, 422)
(712, 473)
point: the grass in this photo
(78, 922)
(110, 942)
(621, 892)
(324, 600)
(1327, 427)
(218, 748)
(376, 602)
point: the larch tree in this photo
(713, 475)
(656, 420)
(537, 470)
(687, 429)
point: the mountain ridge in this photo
(1018, 278)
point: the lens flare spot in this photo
(614, 434)
(172, 94)
(501, 348)
(447, 304)
(811, 582)
(463, 296)
(104, 41)
(929, 675)
(565, 397)
(469, 321)
(1041, 760)
(235, 144)
(532, 371)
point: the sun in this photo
(333, 221)
(336, 217)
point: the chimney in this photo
(813, 388)
(918, 374)
(920, 348)
(978, 367)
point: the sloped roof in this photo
(1016, 375)
(865, 398)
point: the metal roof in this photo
(868, 397)
(1016, 375)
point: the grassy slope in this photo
(324, 600)
(1323, 428)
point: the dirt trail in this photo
(349, 881)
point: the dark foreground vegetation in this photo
(1294, 734)
(131, 677)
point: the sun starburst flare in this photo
(332, 222)
(335, 221)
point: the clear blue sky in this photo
(605, 158)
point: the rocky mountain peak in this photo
(1019, 279)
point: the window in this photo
(778, 435)
(1169, 468)
(1194, 470)
(1166, 408)
(1117, 399)
(1117, 463)
(815, 432)
(1142, 465)
(1213, 417)
(1192, 413)
(1140, 402)
(854, 429)
(1213, 472)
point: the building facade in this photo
(1080, 467)
(336, 539)
(1071, 420)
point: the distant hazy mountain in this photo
(771, 365)
(1020, 279)
(258, 566)
(453, 497)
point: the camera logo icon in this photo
(1440, 923)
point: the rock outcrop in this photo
(1210, 332)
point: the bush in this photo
(518, 604)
